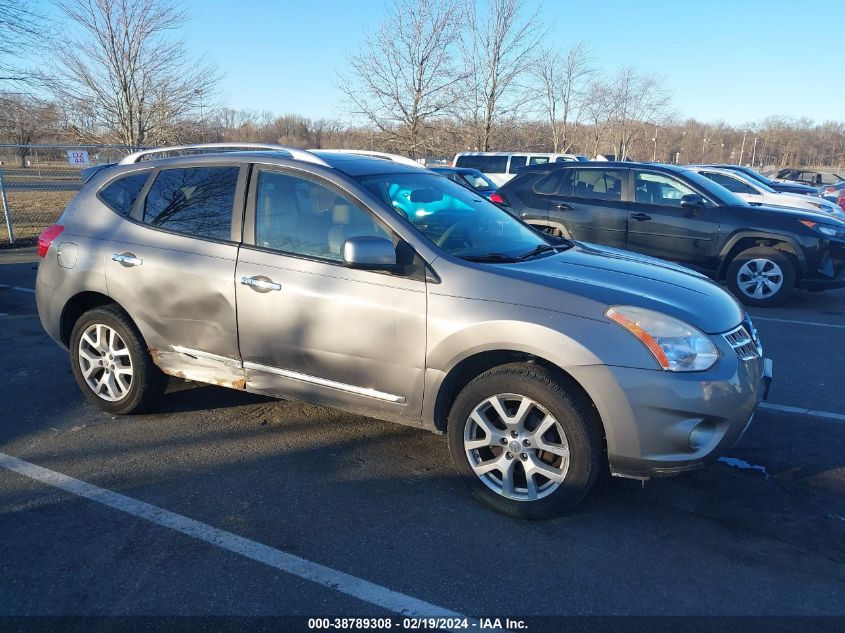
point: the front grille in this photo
(742, 342)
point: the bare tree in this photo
(20, 28)
(561, 82)
(498, 47)
(405, 75)
(127, 71)
(26, 120)
(635, 102)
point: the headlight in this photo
(825, 229)
(675, 345)
(831, 231)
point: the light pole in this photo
(654, 153)
(742, 150)
(198, 92)
(703, 148)
(754, 152)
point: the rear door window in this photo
(121, 194)
(538, 160)
(486, 164)
(195, 201)
(595, 184)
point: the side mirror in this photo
(370, 253)
(693, 200)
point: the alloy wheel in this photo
(105, 362)
(516, 447)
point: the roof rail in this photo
(404, 160)
(295, 152)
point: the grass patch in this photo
(31, 211)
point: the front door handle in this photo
(563, 207)
(641, 217)
(261, 284)
(127, 259)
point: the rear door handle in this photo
(260, 284)
(563, 207)
(642, 217)
(127, 259)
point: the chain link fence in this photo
(38, 181)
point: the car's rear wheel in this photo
(111, 364)
(761, 276)
(523, 441)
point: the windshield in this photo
(477, 180)
(751, 173)
(714, 188)
(456, 219)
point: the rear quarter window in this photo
(120, 194)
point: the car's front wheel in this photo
(111, 364)
(524, 441)
(761, 276)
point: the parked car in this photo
(831, 192)
(502, 166)
(387, 290)
(786, 187)
(674, 213)
(811, 177)
(470, 178)
(757, 193)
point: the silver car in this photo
(386, 290)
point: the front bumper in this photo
(829, 274)
(662, 423)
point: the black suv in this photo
(673, 213)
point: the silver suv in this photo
(387, 290)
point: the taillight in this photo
(497, 198)
(46, 238)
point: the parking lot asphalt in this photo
(377, 502)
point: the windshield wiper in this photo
(490, 257)
(540, 249)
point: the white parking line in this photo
(18, 288)
(827, 415)
(326, 576)
(797, 322)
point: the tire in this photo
(775, 283)
(93, 337)
(572, 436)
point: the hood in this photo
(817, 215)
(603, 276)
(794, 187)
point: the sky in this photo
(731, 60)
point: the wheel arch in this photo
(745, 240)
(472, 366)
(78, 305)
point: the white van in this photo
(501, 166)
